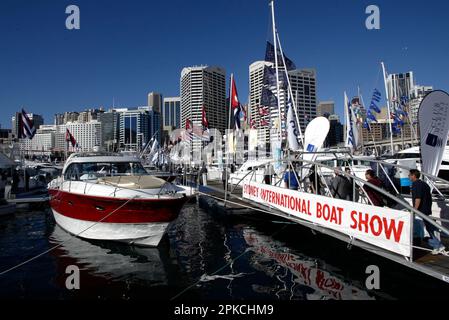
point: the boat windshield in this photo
(93, 171)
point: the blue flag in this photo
(268, 98)
(269, 56)
(269, 77)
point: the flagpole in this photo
(363, 105)
(277, 69)
(227, 137)
(295, 107)
(388, 106)
(346, 119)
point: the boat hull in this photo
(133, 221)
(147, 234)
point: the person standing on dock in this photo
(225, 177)
(314, 179)
(15, 182)
(268, 173)
(422, 201)
(290, 180)
(354, 194)
(375, 196)
(341, 187)
(202, 175)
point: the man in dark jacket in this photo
(375, 196)
(341, 187)
(422, 201)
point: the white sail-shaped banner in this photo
(314, 137)
(433, 118)
(352, 135)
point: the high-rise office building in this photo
(155, 123)
(43, 142)
(400, 85)
(134, 129)
(109, 129)
(155, 101)
(325, 108)
(171, 116)
(416, 96)
(303, 84)
(204, 87)
(259, 119)
(87, 134)
(59, 119)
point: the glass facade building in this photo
(171, 116)
(134, 129)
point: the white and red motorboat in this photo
(112, 197)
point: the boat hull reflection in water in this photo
(110, 261)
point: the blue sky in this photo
(126, 49)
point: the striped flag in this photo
(70, 138)
(204, 121)
(235, 105)
(26, 126)
(187, 136)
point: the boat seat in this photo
(133, 182)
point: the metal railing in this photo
(360, 182)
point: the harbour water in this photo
(204, 256)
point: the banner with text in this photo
(382, 227)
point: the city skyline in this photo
(49, 69)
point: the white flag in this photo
(292, 128)
(351, 126)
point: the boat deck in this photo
(433, 265)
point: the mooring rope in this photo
(60, 244)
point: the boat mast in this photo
(294, 100)
(387, 97)
(277, 68)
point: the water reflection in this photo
(111, 260)
(214, 257)
(225, 259)
(299, 276)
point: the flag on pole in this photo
(204, 121)
(292, 132)
(269, 77)
(268, 98)
(70, 138)
(269, 56)
(253, 124)
(235, 105)
(187, 136)
(26, 126)
(351, 129)
(264, 111)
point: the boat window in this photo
(408, 155)
(329, 163)
(342, 163)
(93, 171)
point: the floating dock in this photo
(212, 199)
